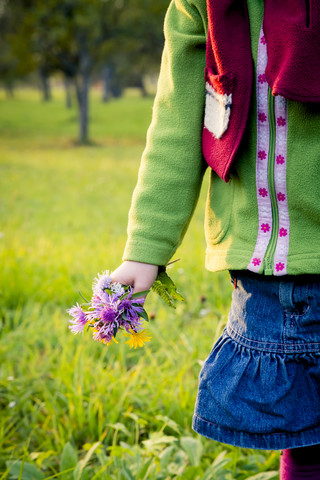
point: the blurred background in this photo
(77, 44)
(77, 80)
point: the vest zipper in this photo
(267, 265)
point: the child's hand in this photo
(140, 275)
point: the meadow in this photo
(71, 408)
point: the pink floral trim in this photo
(262, 186)
(281, 197)
(279, 267)
(282, 247)
(262, 154)
(263, 192)
(265, 227)
(262, 78)
(281, 121)
(283, 232)
(262, 117)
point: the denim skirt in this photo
(260, 385)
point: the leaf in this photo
(118, 451)
(165, 456)
(144, 469)
(217, 466)
(29, 471)
(77, 474)
(193, 448)
(87, 301)
(126, 473)
(166, 289)
(169, 422)
(144, 315)
(192, 473)
(119, 427)
(264, 476)
(69, 459)
(140, 294)
(157, 441)
(39, 457)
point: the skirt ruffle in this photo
(256, 399)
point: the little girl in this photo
(239, 92)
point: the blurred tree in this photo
(10, 67)
(67, 35)
(121, 38)
(142, 39)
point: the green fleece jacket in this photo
(267, 217)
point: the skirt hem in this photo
(262, 441)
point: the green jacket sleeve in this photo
(172, 165)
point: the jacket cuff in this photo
(153, 253)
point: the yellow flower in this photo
(109, 343)
(137, 339)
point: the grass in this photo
(71, 408)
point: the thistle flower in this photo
(79, 319)
(99, 339)
(137, 339)
(101, 282)
(104, 333)
(117, 288)
(113, 307)
(98, 304)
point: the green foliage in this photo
(166, 289)
(69, 460)
(72, 408)
(23, 471)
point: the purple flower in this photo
(104, 334)
(132, 309)
(117, 288)
(102, 281)
(79, 319)
(108, 315)
(102, 304)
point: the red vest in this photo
(292, 33)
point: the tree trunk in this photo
(67, 87)
(45, 85)
(82, 89)
(141, 85)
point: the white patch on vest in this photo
(217, 111)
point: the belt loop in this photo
(286, 294)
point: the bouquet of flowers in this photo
(113, 307)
